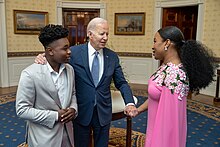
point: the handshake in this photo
(131, 111)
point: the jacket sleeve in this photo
(170, 122)
(74, 100)
(121, 83)
(25, 102)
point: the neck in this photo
(173, 58)
(54, 65)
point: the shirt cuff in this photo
(57, 115)
(130, 104)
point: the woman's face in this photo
(158, 47)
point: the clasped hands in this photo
(66, 115)
(131, 111)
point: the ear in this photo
(89, 34)
(50, 51)
(168, 42)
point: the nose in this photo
(68, 51)
(105, 37)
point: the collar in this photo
(62, 67)
(91, 50)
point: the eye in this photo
(102, 34)
(65, 48)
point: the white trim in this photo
(179, 3)
(79, 4)
(200, 22)
(16, 65)
(4, 79)
(159, 5)
(136, 69)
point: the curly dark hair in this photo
(52, 32)
(197, 59)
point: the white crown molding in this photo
(159, 5)
(158, 16)
(178, 3)
(79, 4)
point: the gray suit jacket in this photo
(37, 101)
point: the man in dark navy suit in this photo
(93, 90)
(94, 102)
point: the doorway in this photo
(76, 20)
(185, 18)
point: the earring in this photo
(165, 48)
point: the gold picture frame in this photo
(29, 22)
(129, 24)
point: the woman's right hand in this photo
(40, 59)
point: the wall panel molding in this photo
(16, 65)
(137, 70)
(128, 54)
(23, 54)
(132, 54)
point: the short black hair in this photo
(51, 33)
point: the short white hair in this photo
(94, 22)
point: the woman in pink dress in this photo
(186, 66)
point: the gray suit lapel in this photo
(50, 86)
(69, 85)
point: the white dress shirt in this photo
(91, 53)
(60, 81)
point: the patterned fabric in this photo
(173, 77)
(167, 120)
(95, 69)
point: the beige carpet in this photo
(118, 138)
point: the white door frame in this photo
(158, 16)
(4, 79)
(76, 4)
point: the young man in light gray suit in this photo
(46, 93)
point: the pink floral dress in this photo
(167, 92)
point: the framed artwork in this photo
(129, 23)
(29, 22)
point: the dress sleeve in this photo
(170, 123)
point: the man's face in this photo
(99, 36)
(60, 50)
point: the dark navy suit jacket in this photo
(86, 90)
